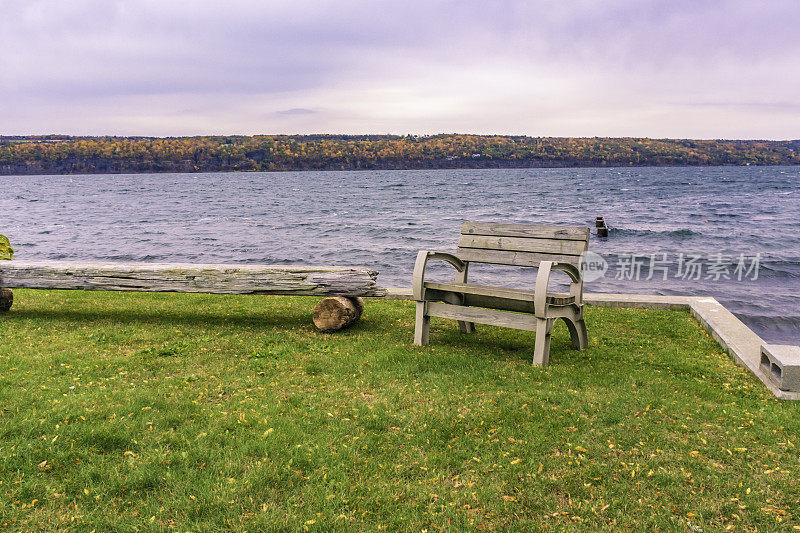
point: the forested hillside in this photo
(60, 154)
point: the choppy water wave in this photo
(789, 270)
(381, 218)
(631, 232)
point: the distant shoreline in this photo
(60, 154)
(362, 169)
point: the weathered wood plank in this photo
(483, 290)
(525, 259)
(182, 277)
(506, 299)
(482, 316)
(573, 233)
(555, 298)
(520, 244)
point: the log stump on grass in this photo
(337, 312)
(6, 299)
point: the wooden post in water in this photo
(602, 229)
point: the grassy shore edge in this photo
(137, 411)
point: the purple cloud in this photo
(585, 68)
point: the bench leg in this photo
(466, 327)
(456, 299)
(541, 348)
(577, 332)
(461, 277)
(6, 299)
(422, 325)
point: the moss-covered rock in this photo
(6, 251)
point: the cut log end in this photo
(7, 299)
(337, 312)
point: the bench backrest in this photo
(521, 244)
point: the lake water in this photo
(729, 232)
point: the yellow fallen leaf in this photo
(580, 449)
(516, 461)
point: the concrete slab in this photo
(741, 343)
(646, 301)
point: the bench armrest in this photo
(543, 280)
(423, 257)
(576, 280)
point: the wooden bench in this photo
(547, 248)
(344, 285)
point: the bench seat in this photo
(524, 297)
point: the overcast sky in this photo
(672, 68)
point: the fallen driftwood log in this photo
(348, 282)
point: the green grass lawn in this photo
(142, 412)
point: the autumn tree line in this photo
(61, 154)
